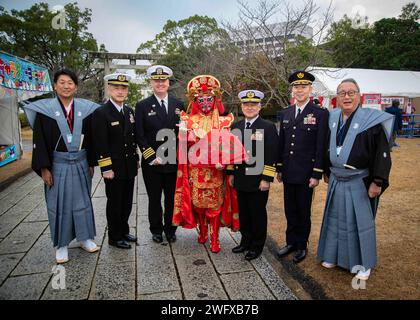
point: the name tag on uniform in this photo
(69, 138)
(285, 121)
(116, 123)
(151, 113)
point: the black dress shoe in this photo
(122, 244)
(239, 249)
(171, 238)
(130, 238)
(285, 251)
(252, 254)
(299, 256)
(157, 238)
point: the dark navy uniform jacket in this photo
(150, 118)
(266, 132)
(115, 140)
(303, 142)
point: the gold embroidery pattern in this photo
(203, 178)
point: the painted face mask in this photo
(205, 104)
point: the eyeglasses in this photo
(350, 93)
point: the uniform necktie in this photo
(122, 117)
(299, 111)
(248, 125)
(163, 106)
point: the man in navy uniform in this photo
(303, 141)
(159, 111)
(253, 187)
(115, 142)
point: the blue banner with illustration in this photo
(7, 154)
(20, 74)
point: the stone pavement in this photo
(148, 271)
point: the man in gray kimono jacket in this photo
(63, 157)
(358, 167)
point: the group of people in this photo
(211, 170)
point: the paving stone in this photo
(226, 261)
(236, 237)
(33, 199)
(22, 238)
(99, 211)
(7, 263)
(150, 271)
(114, 282)
(246, 286)
(100, 190)
(155, 269)
(28, 287)
(132, 220)
(142, 205)
(16, 184)
(272, 279)
(135, 190)
(20, 193)
(170, 295)
(198, 277)
(187, 242)
(112, 255)
(40, 258)
(17, 213)
(141, 187)
(40, 213)
(79, 274)
(144, 237)
(100, 235)
(97, 177)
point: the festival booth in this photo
(19, 80)
(378, 87)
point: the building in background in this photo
(270, 39)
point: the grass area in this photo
(397, 274)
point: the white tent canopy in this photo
(385, 82)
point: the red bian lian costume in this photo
(202, 196)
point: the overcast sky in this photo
(123, 24)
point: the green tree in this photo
(390, 43)
(348, 44)
(193, 32)
(184, 44)
(29, 33)
(395, 45)
(134, 94)
(410, 12)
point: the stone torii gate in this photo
(105, 61)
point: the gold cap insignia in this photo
(159, 71)
(250, 94)
(300, 75)
(122, 78)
